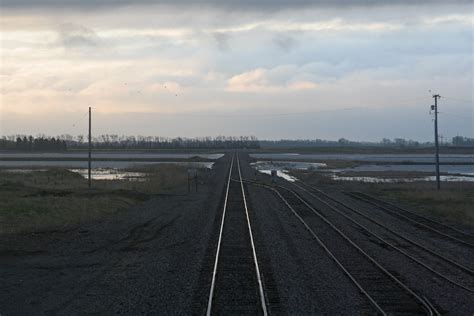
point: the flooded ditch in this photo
(378, 173)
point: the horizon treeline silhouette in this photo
(111, 141)
(106, 141)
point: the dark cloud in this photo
(231, 4)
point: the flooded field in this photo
(452, 173)
(414, 158)
(118, 160)
(446, 178)
(103, 170)
(98, 164)
(453, 169)
(110, 155)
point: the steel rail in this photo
(259, 279)
(393, 246)
(418, 215)
(214, 272)
(385, 271)
(430, 310)
(323, 245)
(432, 252)
(361, 198)
(254, 253)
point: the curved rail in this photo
(420, 301)
(218, 254)
(391, 245)
(441, 229)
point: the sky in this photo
(358, 69)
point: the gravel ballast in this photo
(157, 258)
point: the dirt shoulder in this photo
(145, 258)
(58, 199)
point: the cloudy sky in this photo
(357, 69)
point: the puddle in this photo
(282, 167)
(25, 165)
(111, 174)
(448, 178)
(281, 174)
(286, 165)
(453, 169)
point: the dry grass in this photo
(453, 203)
(57, 198)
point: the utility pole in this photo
(436, 97)
(90, 147)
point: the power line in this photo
(250, 115)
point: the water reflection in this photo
(282, 167)
(111, 174)
(448, 178)
(96, 164)
(460, 173)
(280, 173)
(107, 172)
(405, 158)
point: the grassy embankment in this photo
(452, 204)
(57, 198)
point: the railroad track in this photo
(236, 285)
(440, 265)
(436, 227)
(385, 292)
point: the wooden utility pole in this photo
(438, 182)
(90, 147)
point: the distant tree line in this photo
(107, 141)
(458, 141)
(111, 141)
(30, 143)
